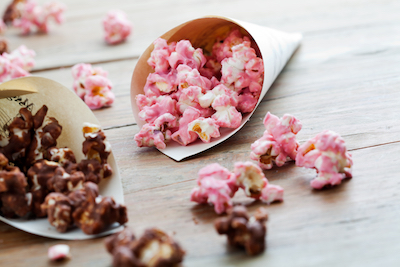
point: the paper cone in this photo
(71, 112)
(275, 48)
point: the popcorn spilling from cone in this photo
(203, 92)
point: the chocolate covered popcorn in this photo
(38, 179)
(92, 85)
(327, 153)
(153, 249)
(205, 92)
(244, 231)
(116, 27)
(278, 143)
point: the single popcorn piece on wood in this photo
(116, 26)
(59, 252)
(33, 17)
(215, 186)
(244, 231)
(278, 143)
(153, 249)
(252, 180)
(327, 153)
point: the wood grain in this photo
(344, 77)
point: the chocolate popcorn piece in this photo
(123, 238)
(153, 249)
(244, 231)
(97, 212)
(12, 180)
(64, 182)
(58, 208)
(94, 171)
(95, 145)
(65, 157)
(3, 46)
(15, 204)
(47, 130)
(12, 12)
(20, 136)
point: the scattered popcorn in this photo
(278, 143)
(16, 64)
(116, 27)
(195, 82)
(12, 11)
(153, 249)
(92, 85)
(327, 153)
(58, 252)
(33, 17)
(244, 231)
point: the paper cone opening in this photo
(273, 46)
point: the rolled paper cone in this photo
(273, 46)
(71, 112)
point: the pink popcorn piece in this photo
(226, 115)
(159, 56)
(278, 143)
(36, 18)
(183, 136)
(223, 49)
(98, 92)
(205, 128)
(59, 252)
(150, 135)
(16, 64)
(327, 153)
(3, 26)
(162, 105)
(215, 186)
(252, 180)
(185, 54)
(116, 26)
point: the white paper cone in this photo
(71, 112)
(275, 48)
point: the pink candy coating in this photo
(278, 143)
(191, 79)
(16, 64)
(327, 153)
(116, 26)
(92, 85)
(35, 17)
(58, 252)
(3, 26)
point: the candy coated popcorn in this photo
(205, 128)
(215, 186)
(92, 85)
(58, 252)
(150, 135)
(34, 17)
(164, 104)
(98, 92)
(278, 143)
(185, 54)
(327, 153)
(22, 57)
(185, 75)
(116, 27)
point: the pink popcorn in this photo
(327, 153)
(34, 17)
(226, 115)
(215, 186)
(187, 76)
(164, 104)
(244, 69)
(12, 65)
(82, 71)
(205, 128)
(98, 92)
(278, 143)
(117, 27)
(159, 56)
(3, 26)
(160, 83)
(185, 54)
(246, 102)
(252, 180)
(224, 50)
(183, 136)
(208, 98)
(189, 97)
(58, 252)
(151, 135)
(22, 57)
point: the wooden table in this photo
(345, 77)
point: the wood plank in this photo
(79, 39)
